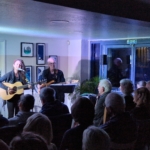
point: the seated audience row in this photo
(121, 112)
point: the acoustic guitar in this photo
(18, 86)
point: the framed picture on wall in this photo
(29, 73)
(40, 53)
(27, 49)
(39, 71)
(56, 59)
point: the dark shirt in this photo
(140, 113)
(129, 102)
(72, 139)
(54, 108)
(3, 121)
(20, 117)
(99, 109)
(115, 75)
(58, 75)
(121, 128)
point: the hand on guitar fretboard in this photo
(12, 90)
(40, 86)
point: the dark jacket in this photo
(140, 113)
(72, 139)
(115, 75)
(54, 108)
(99, 109)
(10, 78)
(121, 128)
(58, 75)
(129, 102)
(3, 121)
(20, 117)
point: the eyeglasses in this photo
(51, 63)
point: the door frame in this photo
(104, 51)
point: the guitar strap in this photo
(56, 72)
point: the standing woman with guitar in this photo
(17, 74)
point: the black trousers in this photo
(12, 106)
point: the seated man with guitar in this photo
(53, 75)
(8, 86)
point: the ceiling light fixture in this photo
(59, 21)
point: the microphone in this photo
(19, 69)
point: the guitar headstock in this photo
(42, 81)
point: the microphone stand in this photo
(33, 88)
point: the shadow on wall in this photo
(81, 71)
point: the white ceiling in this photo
(33, 18)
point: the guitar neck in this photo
(22, 87)
(26, 85)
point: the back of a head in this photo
(148, 85)
(142, 96)
(117, 61)
(115, 102)
(27, 102)
(126, 86)
(83, 111)
(106, 84)
(41, 125)
(141, 84)
(28, 141)
(95, 138)
(47, 94)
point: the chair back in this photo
(143, 133)
(60, 125)
(120, 146)
(7, 133)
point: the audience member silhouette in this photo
(104, 88)
(126, 87)
(120, 126)
(95, 138)
(115, 72)
(83, 113)
(51, 106)
(26, 103)
(28, 141)
(41, 125)
(142, 100)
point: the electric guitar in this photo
(44, 85)
(17, 86)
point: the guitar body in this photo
(6, 96)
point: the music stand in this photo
(61, 89)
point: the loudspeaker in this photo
(104, 59)
(128, 59)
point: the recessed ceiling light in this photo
(59, 21)
(78, 32)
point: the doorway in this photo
(118, 65)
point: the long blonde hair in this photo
(41, 125)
